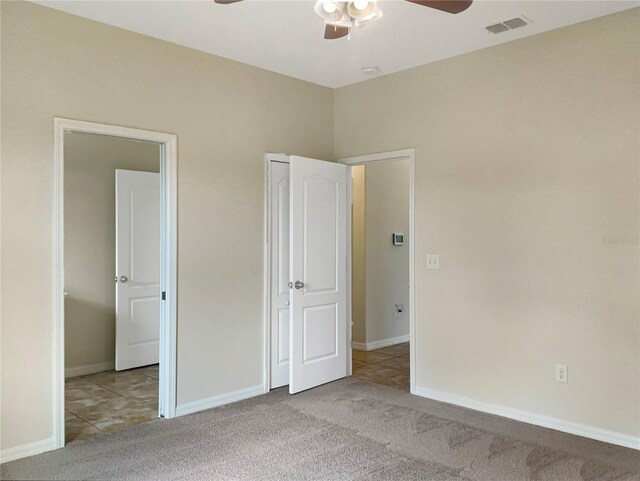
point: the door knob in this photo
(299, 285)
(123, 279)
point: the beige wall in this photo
(527, 156)
(226, 116)
(380, 270)
(387, 211)
(358, 257)
(90, 162)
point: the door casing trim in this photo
(169, 255)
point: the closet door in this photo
(279, 245)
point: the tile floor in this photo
(106, 401)
(388, 366)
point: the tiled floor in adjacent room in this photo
(388, 366)
(106, 401)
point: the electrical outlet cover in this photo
(562, 373)
(433, 261)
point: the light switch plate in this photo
(433, 261)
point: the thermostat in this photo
(398, 239)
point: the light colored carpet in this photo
(346, 430)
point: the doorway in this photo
(398, 350)
(115, 284)
(380, 272)
(112, 282)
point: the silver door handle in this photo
(123, 279)
(298, 285)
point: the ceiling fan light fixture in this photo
(329, 7)
(361, 9)
(361, 4)
(329, 10)
(376, 14)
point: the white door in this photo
(279, 245)
(137, 268)
(318, 264)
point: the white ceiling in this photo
(287, 36)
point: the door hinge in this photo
(164, 295)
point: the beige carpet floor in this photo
(346, 430)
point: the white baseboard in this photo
(215, 401)
(592, 432)
(26, 450)
(370, 346)
(89, 369)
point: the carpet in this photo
(346, 430)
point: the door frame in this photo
(350, 161)
(390, 156)
(168, 261)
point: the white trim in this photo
(168, 372)
(385, 157)
(370, 346)
(583, 430)
(349, 279)
(31, 449)
(266, 376)
(168, 323)
(379, 157)
(220, 400)
(89, 369)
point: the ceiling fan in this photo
(340, 16)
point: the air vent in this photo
(515, 23)
(497, 28)
(507, 25)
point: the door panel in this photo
(137, 268)
(318, 261)
(145, 230)
(321, 216)
(320, 333)
(279, 245)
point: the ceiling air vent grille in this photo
(497, 28)
(507, 25)
(515, 23)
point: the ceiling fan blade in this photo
(331, 32)
(226, 2)
(449, 6)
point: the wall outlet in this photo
(399, 309)
(562, 374)
(433, 261)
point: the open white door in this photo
(318, 264)
(137, 268)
